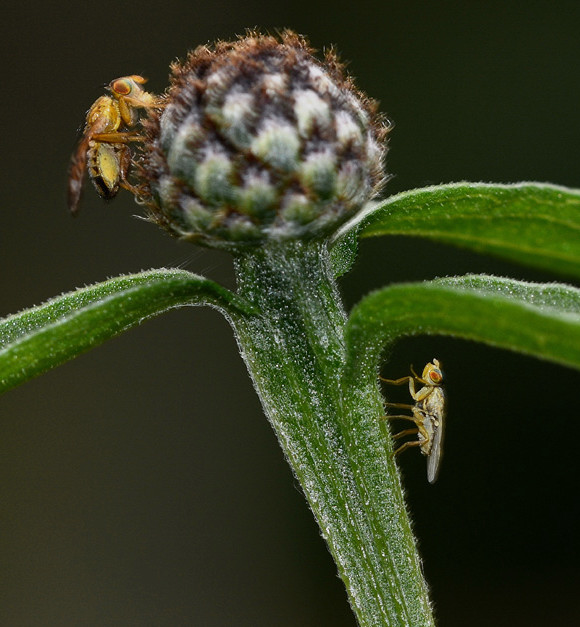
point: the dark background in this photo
(141, 484)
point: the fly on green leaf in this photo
(428, 414)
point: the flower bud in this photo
(257, 141)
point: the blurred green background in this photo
(141, 484)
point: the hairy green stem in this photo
(330, 433)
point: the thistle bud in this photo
(258, 140)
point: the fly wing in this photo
(436, 452)
(78, 164)
(76, 175)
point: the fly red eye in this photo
(435, 376)
(121, 86)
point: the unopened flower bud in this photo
(258, 140)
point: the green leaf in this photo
(542, 320)
(530, 223)
(343, 251)
(43, 337)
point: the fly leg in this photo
(421, 431)
(406, 445)
(405, 432)
(403, 380)
(125, 162)
(117, 137)
(400, 381)
(401, 405)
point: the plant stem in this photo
(332, 438)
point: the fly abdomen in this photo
(105, 168)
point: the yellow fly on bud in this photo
(428, 414)
(103, 149)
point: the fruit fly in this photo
(428, 414)
(103, 148)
